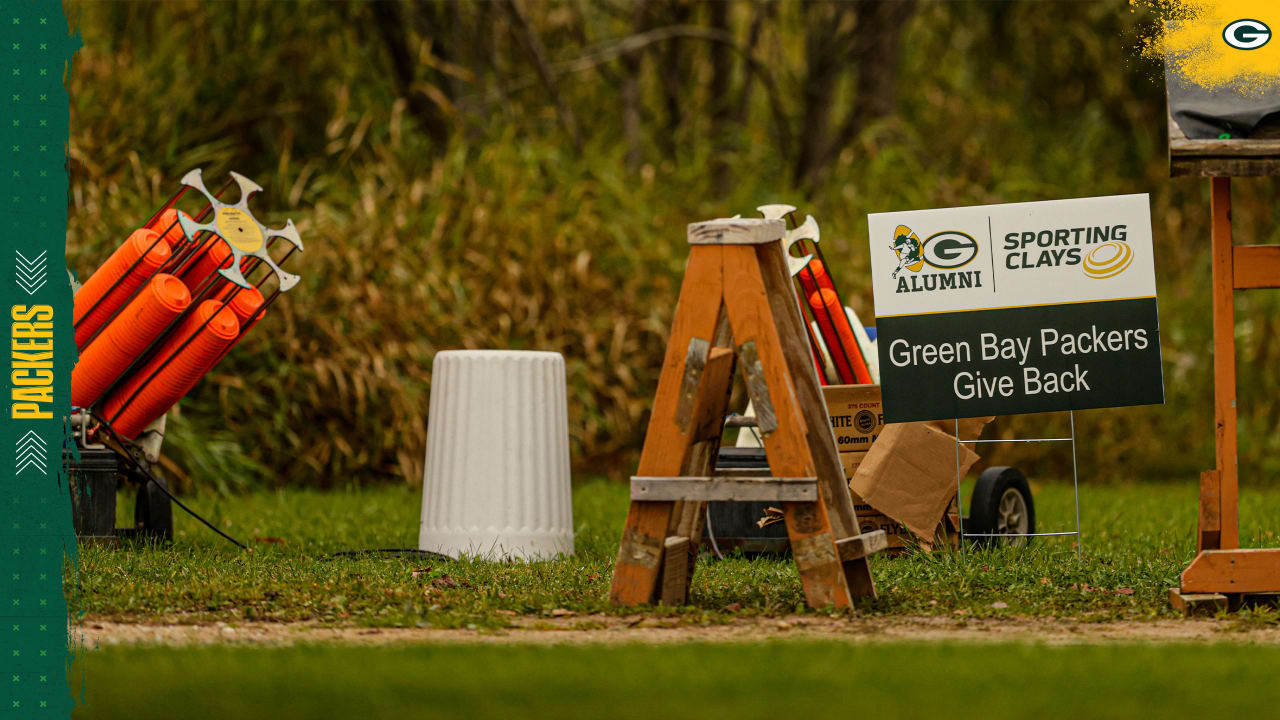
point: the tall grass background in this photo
(504, 236)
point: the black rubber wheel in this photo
(1001, 505)
(153, 513)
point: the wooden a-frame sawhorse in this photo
(737, 304)
(1224, 575)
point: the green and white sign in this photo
(1019, 308)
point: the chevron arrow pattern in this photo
(31, 274)
(31, 452)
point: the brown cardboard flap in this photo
(909, 474)
(970, 428)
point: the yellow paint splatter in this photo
(1191, 41)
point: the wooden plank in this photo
(675, 570)
(753, 320)
(666, 447)
(694, 362)
(1233, 571)
(736, 231)
(1237, 157)
(721, 489)
(1224, 167)
(813, 406)
(1197, 603)
(1210, 525)
(862, 546)
(707, 416)
(757, 388)
(1256, 266)
(1224, 364)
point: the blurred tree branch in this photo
(631, 68)
(532, 44)
(641, 41)
(866, 35)
(431, 101)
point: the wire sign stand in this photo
(1075, 486)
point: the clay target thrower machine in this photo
(151, 321)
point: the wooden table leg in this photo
(1224, 366)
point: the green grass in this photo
(787, 679)
(1137, 539)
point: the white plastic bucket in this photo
(496, 482)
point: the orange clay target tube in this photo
(167, 223)
(176, 367)
(247, 304)
(127, 337)
(831, 318)
(211, 256)
(112, 284)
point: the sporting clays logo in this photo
(1247, 34)
(1108, 260)
(946, 251)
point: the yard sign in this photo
(1020, 308)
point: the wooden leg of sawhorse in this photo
(688, 517)
(688, 412)
(1225, 476)
(762, 334)
(812, 407)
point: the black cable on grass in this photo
(393, 552)
(152, 479)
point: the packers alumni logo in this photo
(1108, 260)
(946, 250)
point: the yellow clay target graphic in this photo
(238, 228)
(1108, 260)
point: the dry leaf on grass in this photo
(771, 515)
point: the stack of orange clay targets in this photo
(840, 345)
(172, 301)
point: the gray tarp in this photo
(1203, 114)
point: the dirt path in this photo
(610, 629)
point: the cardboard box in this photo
(910, 475)
(898, 496)
(856, 415)
(850, 462)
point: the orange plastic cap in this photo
(112, 284)
(127, 337)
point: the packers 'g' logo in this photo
(1246, 34)
(944, 250)
(1107, 260)
(949, 249)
